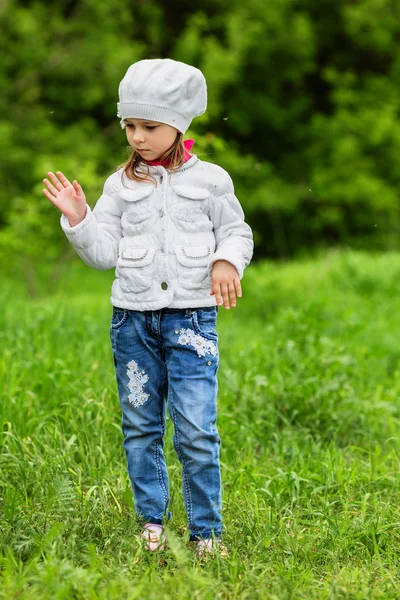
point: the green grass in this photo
(309, 418)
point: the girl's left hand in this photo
(225, 283)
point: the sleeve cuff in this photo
(77, 228)
(82, 235)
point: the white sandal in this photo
(154, 537)
(211, 547)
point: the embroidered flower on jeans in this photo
(137, 380)
(187, 337)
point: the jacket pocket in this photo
(139, 193)
(191, 209)
(138, 209)
(135, 269)
(191, 203)
(191, 193)
(192, 264)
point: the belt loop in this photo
(189, 312)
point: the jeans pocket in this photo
(205, 322)
(119, 316)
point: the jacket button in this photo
(164, 285)
(161, 213)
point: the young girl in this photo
(173, 228)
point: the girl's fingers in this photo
(63, 179)
(51, 187)
(55, 181)
(225, 295)
(217, 292)
(232, 294)
(48, 195)
(238, 288)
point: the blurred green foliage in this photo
(304, 104)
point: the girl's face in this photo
(150, 139)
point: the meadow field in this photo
(309, 418)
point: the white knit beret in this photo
(162, 90)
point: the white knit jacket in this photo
(164, 239)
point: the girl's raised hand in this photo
(68, 197)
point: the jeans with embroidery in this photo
(170, 357)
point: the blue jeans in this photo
(161, 357)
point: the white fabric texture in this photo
(164, 239)
(163, 90)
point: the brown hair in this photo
(137, 169)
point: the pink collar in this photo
(188, 144)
